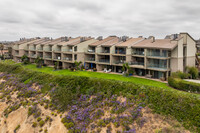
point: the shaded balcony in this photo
(157, 53)
(138, 51)
(120, 50)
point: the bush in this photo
(193, 71)
(34, 124)
(184, 85)
(18, 126)
(41, 123)
(180, 74)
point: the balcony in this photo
(67, 59)
(32, 49)
(90, 51)
(57, 58)
(33, 56)
(137, 63)
(40, 49)
(104, 60)
(90, 59)
(120, 52)
(48, 49)
(157, 54)
(157, 66)
(48, 57)
(119, 62)
(57, 50)
(141, 53)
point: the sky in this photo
(133, 18)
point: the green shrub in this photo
(34, 124)
(69, 125)
(180, 74)
(18, 126)
(184, 85)
(39, 119)
(41, 123)
(193, 71)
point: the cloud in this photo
(54, 18)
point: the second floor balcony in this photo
(137, 63)
(157, 66)
(104, 60)
(90, 59)
(67, 58)
(119, 62)
(48, 57)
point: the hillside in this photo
(25, 109)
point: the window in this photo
(75, 57)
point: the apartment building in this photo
(150, 57)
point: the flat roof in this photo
(157, 44)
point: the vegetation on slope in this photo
(185, 107)
(87, 113)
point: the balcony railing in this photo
(120, 52)
(48, 57)
(138, 53)
(157, 54)
(91, 51)
(105, 51)
(137, 63)
(67, 58)
(33, 55)
(104, 60)
(157, 66)
(57, 50)
(47, 49)
(40, 49)
(90, 59)
(57, 58)
(119, 62)
(32, 49)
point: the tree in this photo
(2, 48)
(25, 59)
(77, 65)
(39, 61)
(193, 71)
(125, 69)
(55, 65)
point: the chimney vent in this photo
(100, 38)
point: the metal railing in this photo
(105, 51)
(119, 62)
(91, 51)
(67, 58)
(157, 54)
(48, 57)
(158, 66)
(104, 60)
(120, 52)
(137, 63)
(138, 53)
(90, 59)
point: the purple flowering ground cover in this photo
(87, 113)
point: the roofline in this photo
(188, 35)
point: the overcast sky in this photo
(54, 18)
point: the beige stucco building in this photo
(150, 57)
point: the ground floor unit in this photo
(156, 73)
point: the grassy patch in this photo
(136, 80)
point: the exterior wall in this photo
(191, 52)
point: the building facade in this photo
(150, 57)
